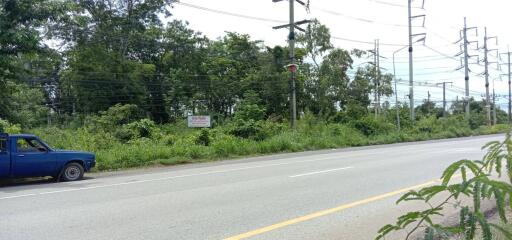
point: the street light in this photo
(396, 89)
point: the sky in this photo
(357, 23)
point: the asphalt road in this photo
(336, 194)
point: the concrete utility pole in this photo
(410, 17)
(509, 91)
(444, 97)
(486, 73)
(292, 67)
(291, 39)
(411, 69)
(466, 70)
(375, 80)
(509, 87)
(465, 64)
(494, 117)
(378, 77)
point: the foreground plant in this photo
(477, 184)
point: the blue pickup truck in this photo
(23, 155)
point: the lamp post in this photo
(396, 89)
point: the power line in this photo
(230, 13)
(366, 42)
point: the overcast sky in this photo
(366, 20)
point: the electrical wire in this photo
(230, 13)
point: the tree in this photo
(270, 82)
(316, 41)
(229, 60)
(332, 88)
(114, 48)
(23, 24)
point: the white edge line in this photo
(160, 179)
(320, 172)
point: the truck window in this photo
(29, 145)
(3, 145)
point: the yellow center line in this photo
(331, 211)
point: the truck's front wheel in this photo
(72, 172)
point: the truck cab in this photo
(24, 155)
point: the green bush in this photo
(203, 138)
(115, 116)
(250, 109)
(254, 130)
(7, 127)
(144, 128)
(370, 126)
(426, 125)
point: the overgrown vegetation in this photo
(477, 184)
(122, 138)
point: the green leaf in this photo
(490, 144)
(484, 224)
(386, 230)
(429, 192)
(412, 195)
(464, 175)
(505, 232)
(452, 169)
(429, 233)
(476, 197)
(500, 204)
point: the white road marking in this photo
(320, 172)
(130, 182)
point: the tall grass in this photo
(175, 144)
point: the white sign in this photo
(199, 121)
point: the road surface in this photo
(333, 194)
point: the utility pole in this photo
(509, 87)
(444, 97)
(411, 69)
(428, 102)
(375, 80)
(494, 119)
(509, 90)
(291, 38)
(466, 71)
(465, 65)
(486, 74)
(292, 67)
(378, 77)
(410, 17)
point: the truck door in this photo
(5, 159)
(32, 159)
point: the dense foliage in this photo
(62, 59)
